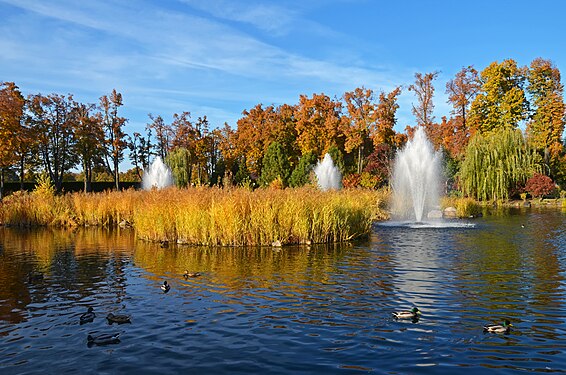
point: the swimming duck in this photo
(188, 274)
(413, 314)
(120, 319)
(498, 328)
(88, 316)
(165, 287)
(103, 339)
(164, 243)
(35, 276)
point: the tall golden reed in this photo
(209, 216)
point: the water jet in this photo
(328, 175)
(416, 179)
(157, 176)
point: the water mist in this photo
(328, 175)
(157, 176)
(416, 180)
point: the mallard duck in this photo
(35, 276)
(120, 319)
(103, 339)
(88, 316)
(498, 328)
(188, 274)
(413, 314)
(165, 287)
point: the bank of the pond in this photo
(209, 216)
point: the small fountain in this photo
(416, 179)
(328, 175)
(157, 176)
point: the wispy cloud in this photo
(164, 55)
(273, 18)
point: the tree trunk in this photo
(1, 183)
(87, 178)
(116, 174)
(22, 169)
(360, 159)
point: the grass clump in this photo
(465, 206)
(238, 217)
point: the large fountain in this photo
(328, 175)
(416, 179)
(158, 176)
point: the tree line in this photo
(279, 145)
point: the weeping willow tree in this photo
(179, 160)
(496, 163)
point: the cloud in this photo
(272, 18)
(184, 56)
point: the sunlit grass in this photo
(465, 206)
(209, 216)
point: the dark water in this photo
(319, 310)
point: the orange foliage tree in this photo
(11, 113)
(424, 90)
(318, 124)
(546, 125)
(359, 121)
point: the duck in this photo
(188, 274)
(35, 276)
(165, 287)
(498, 328)
(119, 319)
(164, 243)
(413, 314)
(88, 316)
(103, 339)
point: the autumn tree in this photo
(502, 102)
(140, 152)
(462, 90)
(383, 130)
(163, 134)
(89, 140)
(318, 124)
(115, 136)
(11, 113)
(283, 131)
(380, 163)
(546, 125)
(360, 119)
(252, 137)
(227, 150)
(53, 123)
(424, 90)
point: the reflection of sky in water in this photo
(416, 257)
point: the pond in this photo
(291, 310)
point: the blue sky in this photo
(219, 57)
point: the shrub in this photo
(351, 181)
(540, 185)
(301, 173)
(275, 165)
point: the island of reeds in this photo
(208, 216)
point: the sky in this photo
(217, 58)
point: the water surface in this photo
(290, 310)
